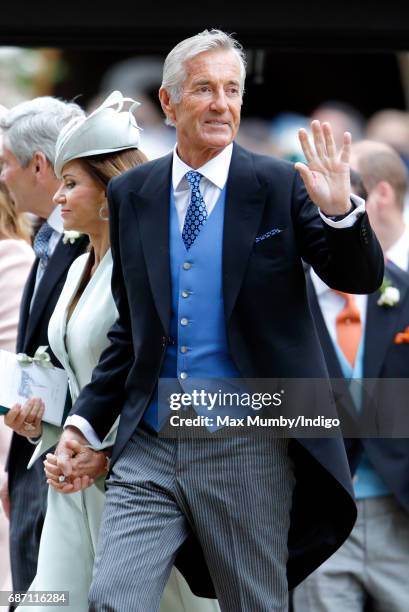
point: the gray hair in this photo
(174, 73)
(34, 126)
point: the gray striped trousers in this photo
(234, 494)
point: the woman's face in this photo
(80, 197)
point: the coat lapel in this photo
(60, 261)
(338, 382)
(381, 322)
(25, 308)
(331, 359)
(152, 209)
(245, 199)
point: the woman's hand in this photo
(26, 420)
(86, 463)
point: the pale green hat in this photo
(106, 130)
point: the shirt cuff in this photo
(85, 428)
(350, 219)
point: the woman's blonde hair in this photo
(12, 225)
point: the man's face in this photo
(17, 179)
(208, 116)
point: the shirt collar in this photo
(55, 220)
(216, 170)
(398, 253)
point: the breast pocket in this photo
(271, 249)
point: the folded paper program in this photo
(23, 377)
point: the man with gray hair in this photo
(30, 131)
(207, 244)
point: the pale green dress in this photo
(70, 531)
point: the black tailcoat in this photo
(269, 326)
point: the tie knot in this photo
(349, 327)
(350, 311)
(41, 240)
(193, 178)
(348, 297)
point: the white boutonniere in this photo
(71, 237)
(390, 295)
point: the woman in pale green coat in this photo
(89, 152)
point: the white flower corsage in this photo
(71, 237)
(390, 295)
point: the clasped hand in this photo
(74, 466)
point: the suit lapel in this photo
(245, 199)
(152, 209)
(381, 322)
(60, 261)
(331, 358)
(25, 307)
(338, 382)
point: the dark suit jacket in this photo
(383, 359)
(33, 328)
(26, 523)
(269, 326)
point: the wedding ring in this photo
(28, 426)
(61, 478)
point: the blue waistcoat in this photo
(200, 349)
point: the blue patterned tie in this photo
(196, 214)
(40, 244)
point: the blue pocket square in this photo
(272, 232)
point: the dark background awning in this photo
(299, 53)
(147, 26)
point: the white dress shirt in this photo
(331, 305)
(215, 173)
(399, 252)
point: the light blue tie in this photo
(196, 214)
(40, 244)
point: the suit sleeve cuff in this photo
(85, 428)
(351, 218)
